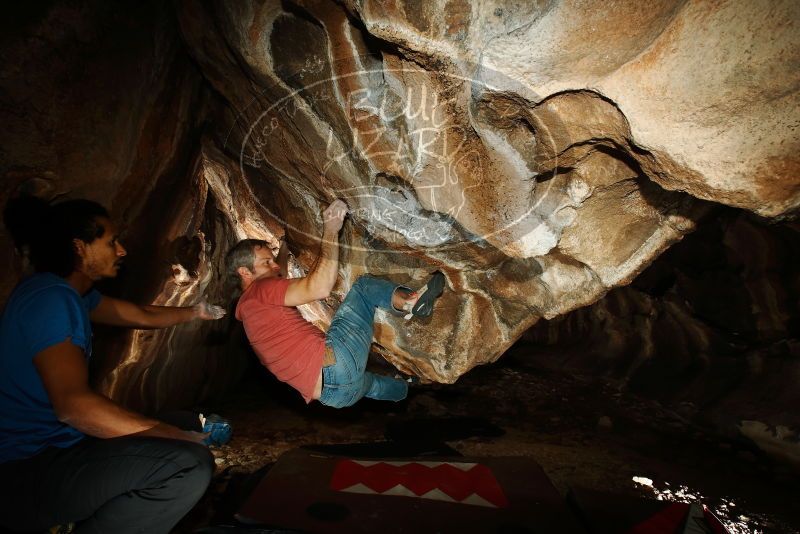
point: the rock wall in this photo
(539, 154)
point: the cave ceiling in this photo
(537, 153)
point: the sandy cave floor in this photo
(583, 433)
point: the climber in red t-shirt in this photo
(329, 367)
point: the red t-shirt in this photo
(288, 345)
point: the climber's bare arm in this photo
(320, 281)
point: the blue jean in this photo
(350, 336)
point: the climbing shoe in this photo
(427, 295)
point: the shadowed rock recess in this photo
(539, 154)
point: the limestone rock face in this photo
(538, 154)
(159, 370)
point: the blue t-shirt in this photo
(43, 310)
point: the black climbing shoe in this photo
(427, 295)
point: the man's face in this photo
(102, 257)
(264, 265)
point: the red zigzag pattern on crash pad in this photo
(419, 478)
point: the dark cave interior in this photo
(641, 322)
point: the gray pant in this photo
(119, 485)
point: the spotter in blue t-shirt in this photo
(42, 311)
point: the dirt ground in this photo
(582, 432)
